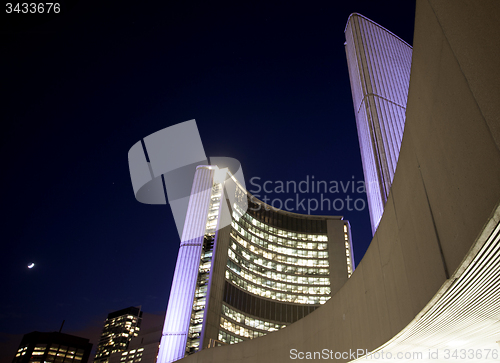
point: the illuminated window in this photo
(228, 338)
(249, 321)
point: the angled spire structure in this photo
(379, 65)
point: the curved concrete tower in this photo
(379, 70)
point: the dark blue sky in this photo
(267, 84)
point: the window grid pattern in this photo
(132, 356)
(56, 353)
(266, 292)
(117, 333)
(227, 338)
(253, 248)
(248, 321)
(239, 330)
(279, 236)
(235, 254)
(260, 260)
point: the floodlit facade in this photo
(379, 65)
(119, 328)
(264, 270)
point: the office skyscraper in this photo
(379, 65)
(119, 328)
(266, 269)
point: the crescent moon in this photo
(31, 266)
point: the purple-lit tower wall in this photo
(180, 303)
(379, 65)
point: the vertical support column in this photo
(180, 304)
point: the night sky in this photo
(267, 84)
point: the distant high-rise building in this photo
(37, 347)
(379, 70)
(119, 328)
(141, 349)
(265, 269)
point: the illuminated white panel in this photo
(177, 319)
(379, 70)
(463, 325)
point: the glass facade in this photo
(277, 269)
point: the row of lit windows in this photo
(244, 263)
(134, 355)
(118, 319)
(228, 338)
(249, 321)
(265, 292)
(254, 253)
(348, 252)
(239, 330)
(133, 351)
(63, 348)
(193, 343)
(280, 232)
(54, 350)
(288, 269)
(316, 253)
(274, 248)
(62, 355)
(110, 335)
(274, 243)
(286, 237)
(270, 284)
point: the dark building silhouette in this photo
(52, 347)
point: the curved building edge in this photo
(374, 23)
